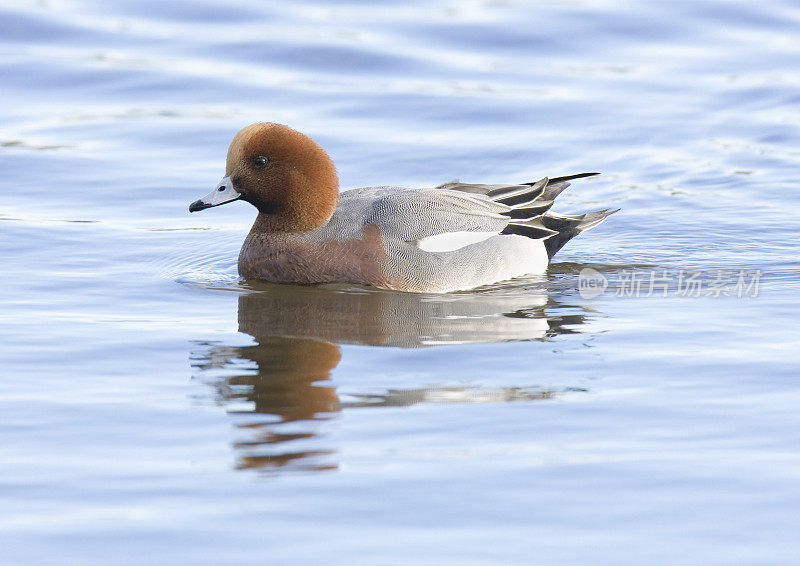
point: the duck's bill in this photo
(224, 193)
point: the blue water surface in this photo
(156, 409)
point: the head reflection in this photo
(279, 389)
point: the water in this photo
(158, 410)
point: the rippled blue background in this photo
(157, 410)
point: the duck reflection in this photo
(280, 391)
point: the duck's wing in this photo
(530, 209)
(415, 214)
(527, 202)
(455, 214)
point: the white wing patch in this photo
(452, 241)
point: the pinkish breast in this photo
(294, 258)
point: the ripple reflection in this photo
(279, 390)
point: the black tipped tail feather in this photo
(567, 227)
(531, 216)
(566, 178)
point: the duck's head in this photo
(283, 173)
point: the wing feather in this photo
(412, 215)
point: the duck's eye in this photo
(259, 161)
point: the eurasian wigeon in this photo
(453, 237)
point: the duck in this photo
(453, 237)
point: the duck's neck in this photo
(286, 221)
(270, 223)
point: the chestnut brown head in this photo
(283, 173)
